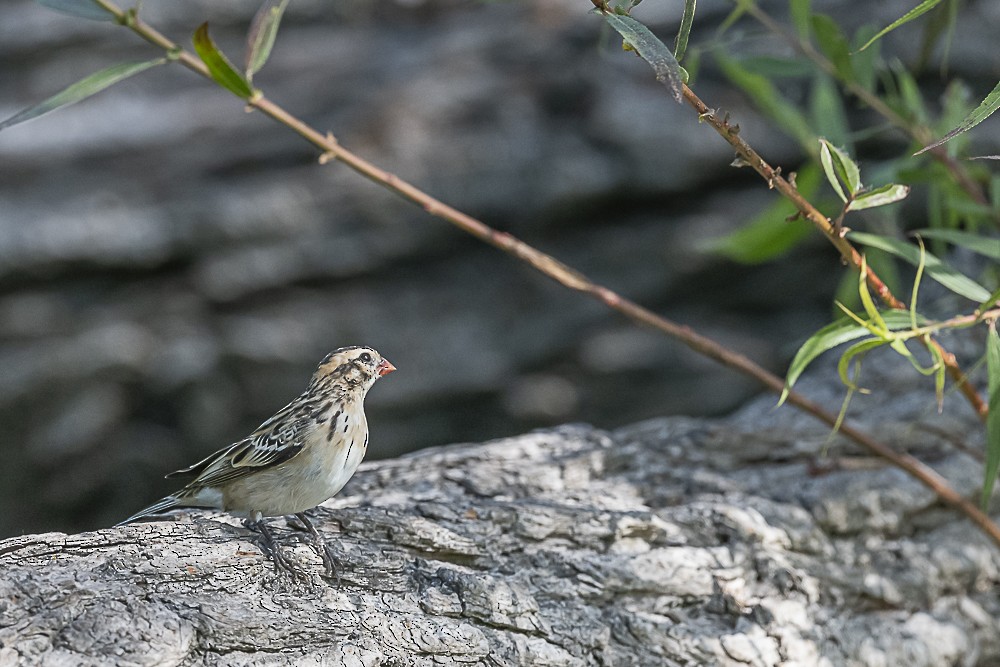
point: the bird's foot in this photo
(272, 550)
(302, 522)
(321, 548)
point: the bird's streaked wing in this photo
(263, 448)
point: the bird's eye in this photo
(365, 357)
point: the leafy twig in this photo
(916, 131)
(569, 277)
(775, 180)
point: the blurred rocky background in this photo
(172, 268)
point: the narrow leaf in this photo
(938, 35)
(83, 9)
(844, 167)
(687, 19)
(263, 31)
(83, 89)
(650, 49)
(899, 345)
(826, 109)
(975, 117)
(855, 352)
(915, 292)
(919, 10)
(982, 244)
(940, 373)
(910, 100)
(827, 338)
(826, 159)
(800, 11)
(834, 45)
(883, 264)
(875, 319)
(866, 65)
(887, 194)
(955, 103)
(993, 300)
(993, 418)
(936, 269)
(834, 334)
(221, 70)
(842, 414)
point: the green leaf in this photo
(800, 11)
(978, 243)
(219, 67)
(875, 319)
(919, 10)
(975, 117)
(915, 290)
(935, 268)
(826, 159)
(887, 194)
(687, 19)
(83, 9)
(770, 101)
(83, 89)
(993, 418)
(862, 348)
(827, 338)
(940, 374)
(940, 23)
(826, 110)
(990, 302)
(839, 168)
(907, 99)
(263, 31)
(834, 45)
(866, 64)
(883, 264)
(650, 49)
(956, 102)
(770, 233)
(832, 335)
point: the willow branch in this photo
(918, 132)
(573, 279)
(847, 251)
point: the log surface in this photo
(672, 542)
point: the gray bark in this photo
(672, 542)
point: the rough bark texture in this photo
(172, 269)
(672, 542)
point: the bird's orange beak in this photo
(384, 367)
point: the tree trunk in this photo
(672, 542)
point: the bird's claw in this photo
(321, 548)
(272, 550)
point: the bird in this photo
(297, 459)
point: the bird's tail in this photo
(160, 507)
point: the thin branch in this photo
(572, 279)
(775, 180)
(918, 132)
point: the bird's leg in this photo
(272, 550)
(320, 546)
